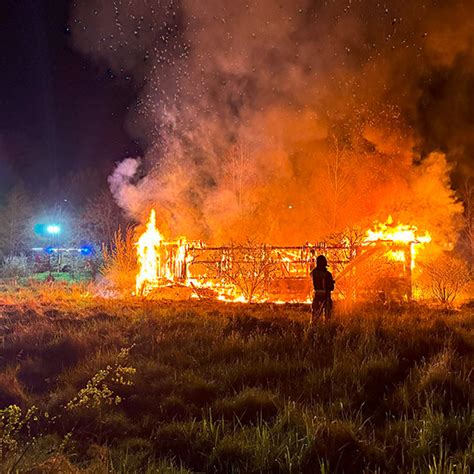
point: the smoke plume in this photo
(288, 121)
(121, 181)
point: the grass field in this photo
(130, 386)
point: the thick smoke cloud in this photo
(288, 121)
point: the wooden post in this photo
(408, 270)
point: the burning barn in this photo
(382, 262)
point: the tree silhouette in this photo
(16, 222)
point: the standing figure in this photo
(323, 284)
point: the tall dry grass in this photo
(237, 388)
(119, 266)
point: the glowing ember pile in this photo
(256, 273)
(398, 235)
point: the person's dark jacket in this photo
(323, 282)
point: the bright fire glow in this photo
(149, 256)
(398, 234)
(163, 263)
(160, 263)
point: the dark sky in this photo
(59, 112)
(62, 111)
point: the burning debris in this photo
(160, 262)
(401, 235)
(256, 272)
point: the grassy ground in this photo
(212, 387)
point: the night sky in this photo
(59, 111)
(194, 78)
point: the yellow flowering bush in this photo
(97, 391)
(12, 421)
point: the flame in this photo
(398, 234)
(163, 263)
(148, 255)
(160, 263)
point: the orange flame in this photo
(164, 263)
(404, 234)
(160, 263)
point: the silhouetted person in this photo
(323, 284)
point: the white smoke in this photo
(121, 181)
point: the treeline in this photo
(80, 203)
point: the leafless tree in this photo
(102, 218)
(445, 277)
(338, 178)
(249, 267)
(16, 222)
(238, 169)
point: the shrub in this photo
(15, 266)
(248, 267)
(120, 261)
(98, 389)
(445, 277)
(12, 422)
